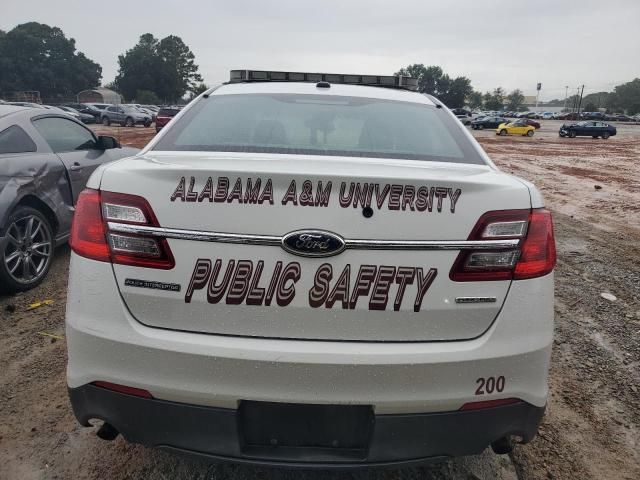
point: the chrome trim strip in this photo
(273, 240)
(195, 234)
(432, 244)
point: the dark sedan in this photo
(488, 122)
(86, 109)
(533, 123)
(46, 158)
(588, 129)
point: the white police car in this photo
(311, 269)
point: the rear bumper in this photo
(398, 439)
(105, 343)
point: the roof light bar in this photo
(392, 81)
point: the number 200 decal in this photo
(488, 385)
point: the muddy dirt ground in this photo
(592, 426)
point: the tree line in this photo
(35, 56)
(457, 92)
(623, 97)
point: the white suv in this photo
(311, 269)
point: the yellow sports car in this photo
(519, 127)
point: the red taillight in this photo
(489, 404)
(87, 229)
(534, 256)
(538, 252)
(114, 387)
(92, 238)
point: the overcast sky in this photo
(513, 44)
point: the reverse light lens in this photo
(505, 229)
(135, 245)
(123, 213)
(483, 260)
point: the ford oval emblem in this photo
(313, 243)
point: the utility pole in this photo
(566, 94)
(580, 102)
(574, 105)
(538, 87)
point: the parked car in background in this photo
(154, 108)
(100, 107)
(464, 118)
(462, 111)
(488, 122)
(618, 117)
(83, 117)
(46, 158)
(125, 115)
(165, 114)
(142, 109)
(517, 127)
(87, 109)
(588, 129)
(531, 122)
(593, 116)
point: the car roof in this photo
(9, 109)
(309, 88)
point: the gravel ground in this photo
(590, 431)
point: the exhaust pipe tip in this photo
(502, 446)
(107, 432)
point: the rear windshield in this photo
(319, 125)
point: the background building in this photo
(99, 95)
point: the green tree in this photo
(35, 56)
(165, 67)
(589, 107)
(627, 96)
(453, 92)
(494, 100)
(457, 93)
(474, 100)
(515, 100)
(197, 90)
(147, 97)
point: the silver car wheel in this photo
(28, 249)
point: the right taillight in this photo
(92, 238)
(538, 251)
(534, 256)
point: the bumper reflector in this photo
(136, 392)
(501, 402)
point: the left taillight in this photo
(92, 238)
(88, 237)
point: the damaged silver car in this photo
(45, 161)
